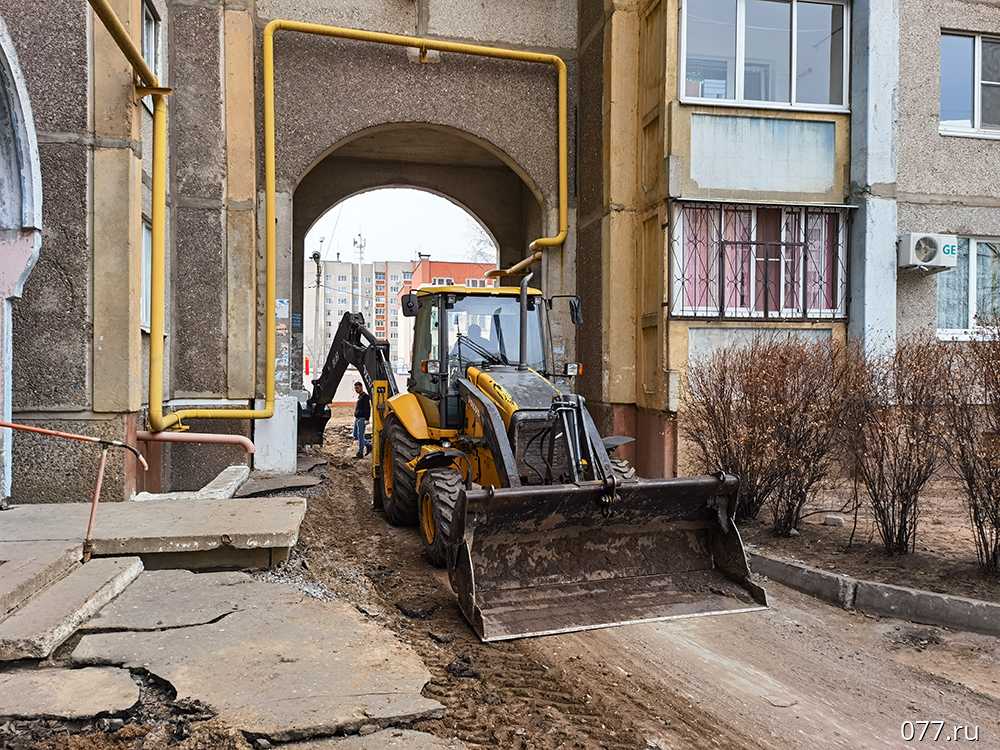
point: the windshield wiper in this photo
(479, 349)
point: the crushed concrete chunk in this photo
(263, 485)
(179, 598)
(388, 739)
(36, 629)
(286, 672)
(66, 693)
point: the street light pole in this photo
(318, 339)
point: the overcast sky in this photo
(396, 223)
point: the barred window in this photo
(744, 261)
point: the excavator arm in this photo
(353, 345)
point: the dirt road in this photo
(801, 675)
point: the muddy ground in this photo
(944, 559)
(801, 674)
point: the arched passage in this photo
(20, 217)
(444, 161)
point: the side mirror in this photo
(575, 311)
(409, 305)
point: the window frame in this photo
(740, 51)
(749, 312)
(973, 331)
(146, 277)
(150, 14)
(977, 130)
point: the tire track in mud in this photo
(524, 696)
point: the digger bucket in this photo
(554, 559)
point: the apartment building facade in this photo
(750, 165)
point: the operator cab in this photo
(458, 328)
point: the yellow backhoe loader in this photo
(501, 467)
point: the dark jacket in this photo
(363, 409)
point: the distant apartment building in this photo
(372, 289)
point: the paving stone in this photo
(162, 526)
(28, 567)
(36, 629)
(66, 693)
(263, 485)
(179, 598)
(286, 672)
(387, 739)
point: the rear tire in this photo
(623, 470)
(398, 483)
(439, 491)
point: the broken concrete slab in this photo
(284, 672)
(36, 629)
(263, 485)
(27, 567)
(387, 739)
(66, 693)
(162, 526)
(179, 598)
(222, 487)
(308, 463)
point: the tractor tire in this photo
(624, 470)
(398, 484)
(439, 491)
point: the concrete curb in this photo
(883, 599)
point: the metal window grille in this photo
(738, 262)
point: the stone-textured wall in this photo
(945, 184)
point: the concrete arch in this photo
(20, 218)
(469, 171)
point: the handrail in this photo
(423, 44)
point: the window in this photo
(342, 301)
(151, 45)
(341, 278)
(380, 275)
(394, 277)
(790, 53)
(969, 295)
(407, 275)
(442, 281)
(742, 261)
(146, 286)
(970, 83)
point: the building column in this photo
(875, 75)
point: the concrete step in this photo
(26, 568)
(38, 627)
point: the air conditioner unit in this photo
(928, 252)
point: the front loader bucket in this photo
(553, 559)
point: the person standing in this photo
(362, 413)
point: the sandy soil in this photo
(944, 559)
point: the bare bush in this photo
(767, 412)
(972, 418)
(893, 432)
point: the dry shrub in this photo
(766, 412)
(893, 433)
(972, 417)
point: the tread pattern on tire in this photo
(400, 507)
(624, 470)
(444, 486)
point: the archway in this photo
(20, 217)
(445, 161)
